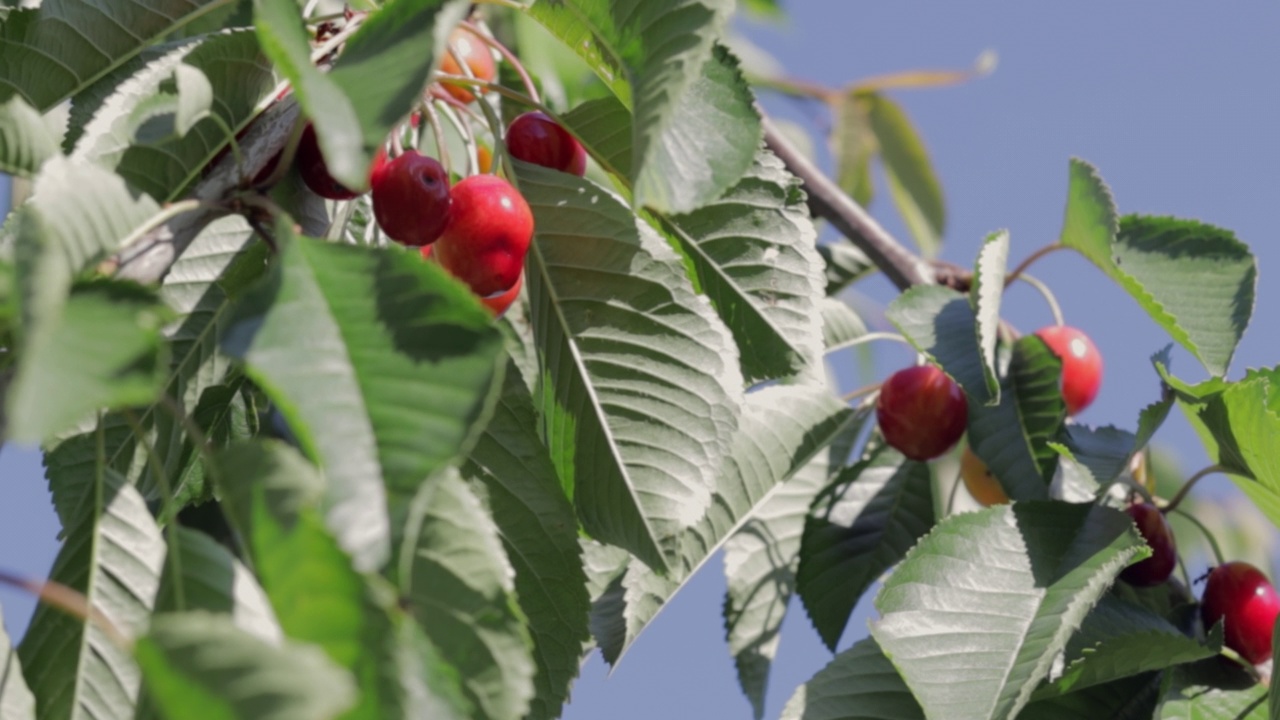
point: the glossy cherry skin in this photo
(536, 138)
(1240, 595)
(981, 483)
(489, 231)
(1158, 535)
(310, 164)
(411, 198)
(498, 304)
(922, 412)
(477, 57)
(1081, 365)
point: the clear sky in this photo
(1175, 102)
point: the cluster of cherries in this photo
(922, 413)
(480, 228)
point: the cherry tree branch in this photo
(828, 201)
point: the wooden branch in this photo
(828, 201)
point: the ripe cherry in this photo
(1081, 365)
(922, 412)
(981, 483)
(1156, 532)
(536, 138)
(310, 164)
(477, 57)
(1240, 595)
(490, 227)
(411, 198)
(498, 304)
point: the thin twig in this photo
(1186, 487)
(1022, 266)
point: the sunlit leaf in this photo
(859, 684)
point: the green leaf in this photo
(604, 126)
(156, 128)
(845, 265)
(271, 495)
(25, 140)
(1133, 698)
(984, 296)
(859, 527)
(840, 323)
(214, 581)
(1012, 438)
(104, 350)
(53, 52)
(640, 388)
(408, 361)
(1104, 451)
(662, 63)
(753, 255)
(783, 428)
(912, 183)
(456, 577)
(16, 700)
(853, 144)
(940, 323)
(112, 555)
(200, 666)
(975, 615)
(1156, 258)
(540, 535)
(1119, 640)
(760, 561)
(859, 684)
(1189, 699)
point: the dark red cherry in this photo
(310, 164)
(1241, 596)
(1156, 532)
(536, 138)
(921, 412)
(411, 198)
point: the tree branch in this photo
(828, 201)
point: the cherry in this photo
(1240, 595)
(1156, 532)
(980, 481)
(536, 138)
(310, 164)
(1081, 365)
(477, 57)
(498, 304)
(921, 411)
(490, 227)
(411, 198)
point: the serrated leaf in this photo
(539, 532)
(845, 264)
(200, 666)
(975, 615)
(940, 323)
(53, 52)
(984, 296)
(841, 324)
(859, 684)
(409, 363)
(604, 125)
(1133, 698)
(112, 555)
(912, 183)
(1104, 451)
(640, 388)
(760, 561)
(1191, 700)
(753, 255)
(1012, 438)
(1119, 640)
(103, 350)
(861, 525)
(25, 141)
(460, 587)
(853, 144)
(1156, 258)
(662, 63)
(782, 429)
(16, 700)
(215, 581)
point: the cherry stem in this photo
(507, 55)
(197, 434)
(864, 390)
(795, 88)
(1048, 296)
(951, 496)
(430, 117)
(68, 600)
(504, 3)
(166, 502)
(866, 338)
(1208, 536)
(1026, 263)
(464, 130)
(1186, 487)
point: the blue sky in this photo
(1175, 102)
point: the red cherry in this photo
(922, 412)
(498, 304)
(536, 138)
(1081, 365)
(490, 227)
(1156, 532)
(1240, 595)
(477, 57)
(411, 198)
(311, 167)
